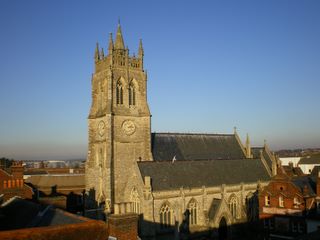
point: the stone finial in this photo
(110, 48)
(140, 51)
(97, 54)
(119, 43)
(102, 54)
(235, 130)
(248, 147)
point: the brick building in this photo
(21, 219)
(12, 183)
(288, 205)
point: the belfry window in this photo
(233, 206)
(192, 208)
(119, 93)
(165, 216)
(132, 95)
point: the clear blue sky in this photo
(212, 65)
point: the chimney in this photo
(17, 170)
(318, 184)
(291, 165)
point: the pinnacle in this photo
(119, 43)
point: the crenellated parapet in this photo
(118, 56)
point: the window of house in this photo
(296, 202)
(294, 226)
(266, 223)
(233, 206)
(9, 183)
(281, 203)
(301, 228)
(267, 200)
(271, 223)
(165, 216)
(192, 207)
(4, 184)
(13, 183)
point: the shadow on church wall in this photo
(242, 231)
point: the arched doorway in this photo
(223, 229)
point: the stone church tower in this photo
(119, 122)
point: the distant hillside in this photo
(297, 152)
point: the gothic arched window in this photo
(165, 216)
(132, 95)
(135, 201)
(192, 207)
(119, 93)
(233, 206)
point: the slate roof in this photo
(313, 159)
(166, 175)
(19, 213)
(303, 181)
(256, 154)
(315, 171)
(61, 180)
(293, 171)
(190, 146)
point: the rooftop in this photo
(168, 175)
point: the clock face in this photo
(128, 127)
(101, 128)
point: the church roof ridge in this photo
(257, 148)
(194, 133)
(197, 160)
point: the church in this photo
(175, 182)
